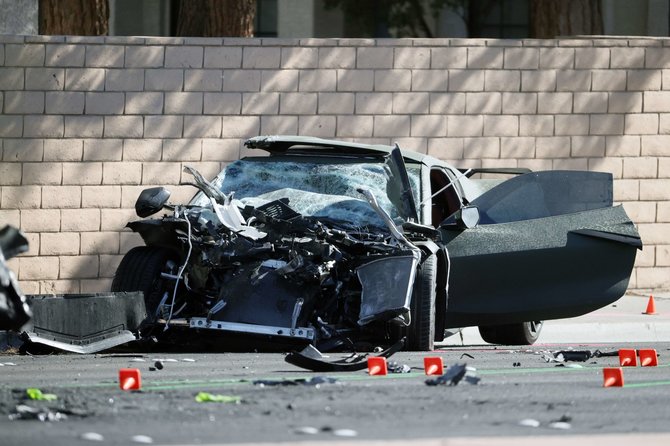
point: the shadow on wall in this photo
(121, 130)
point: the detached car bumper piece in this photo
(85, 323)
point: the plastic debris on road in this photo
(345, 433)
(144, 439)
(92, 436)
(314, 381)
(454, 374)
(570, 366)
(575, 355)
(529, 422)
(562, 423)
(205, 397)
(24, 412)
(37, 395)
(306, 430)
(395, 367)
(310, 430)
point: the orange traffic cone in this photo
(432, 365)
(627, 357)
(612, 377)
(377, 365)
(648, 357)
(130, 379)
(651, 306)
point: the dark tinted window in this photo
(544, 194)
(500, 18)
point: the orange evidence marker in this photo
(648, 357)
(627, 357)
(612, 377)
(130, 379)
(433, 365)
(651, 306)
(377, 366)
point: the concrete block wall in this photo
(88, 122)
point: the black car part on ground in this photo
(453, 375)
(310, 359)
(14, 311)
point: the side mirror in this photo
(151, 201)
(467, 217)
(12, 242)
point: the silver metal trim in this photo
(79, 346)
(286, 332)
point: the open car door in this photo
(548, 245)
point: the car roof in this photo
(290, 144)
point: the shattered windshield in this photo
(314, 189)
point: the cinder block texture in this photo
(86, 125)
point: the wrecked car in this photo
(334, 243)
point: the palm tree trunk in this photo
(554, 18)
(74, 17)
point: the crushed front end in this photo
(299, 257)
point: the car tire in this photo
(523, 333)
(140, 270)
(421, 331)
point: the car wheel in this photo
(140, 270)
(523, 333)
(421, 331)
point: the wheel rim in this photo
(534, 327)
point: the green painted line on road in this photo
(347, 377)
(194, 385)
(647, 384)
(160, 384)
(344, 377)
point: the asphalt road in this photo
(516, 384)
